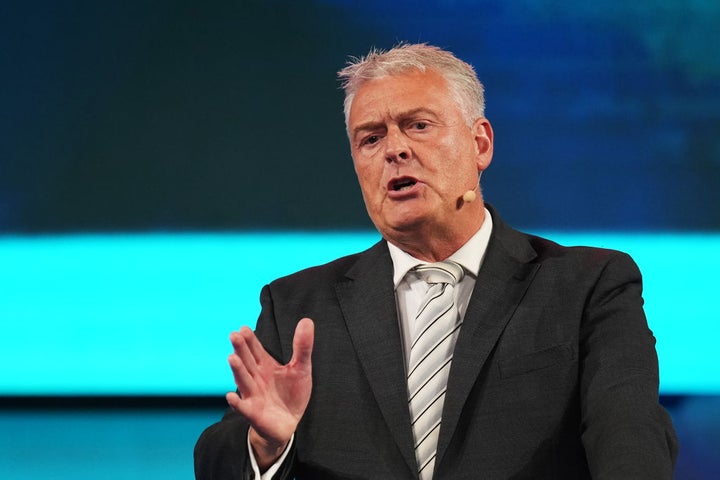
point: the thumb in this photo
(303, 342)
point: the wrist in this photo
(266, 452)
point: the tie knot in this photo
(440, 272)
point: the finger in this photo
(239, 405)
(303, 342)
(243, 379)
(242, 350)
(236, 403)
(233, 399)
(258, 352)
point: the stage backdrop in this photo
(161, 161)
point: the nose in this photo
(397, 148)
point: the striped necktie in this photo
(437, 324)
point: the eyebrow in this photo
(374, 125)
(367, 126)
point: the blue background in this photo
(146, 147)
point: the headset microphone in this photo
(469, 196)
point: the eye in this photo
(370, 140)
(419, 126)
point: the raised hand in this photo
(273, 397)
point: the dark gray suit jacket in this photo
(554, 375)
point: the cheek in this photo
(368, 175)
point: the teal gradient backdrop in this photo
(151, 314)
(142, 144)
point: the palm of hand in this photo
(273, 397)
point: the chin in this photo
(408, 225)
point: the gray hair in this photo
(465, 87)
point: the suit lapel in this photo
(367, 300)
(502, 282)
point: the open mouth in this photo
(402, 184)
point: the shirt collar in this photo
(470, 255)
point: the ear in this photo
(483, 135)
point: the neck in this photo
(432, 244)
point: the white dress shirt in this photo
(410, 289)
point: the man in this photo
(549, 370)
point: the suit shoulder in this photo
(549, 250)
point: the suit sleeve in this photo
(221, 452)
(625, 431)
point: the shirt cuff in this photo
(274, 467)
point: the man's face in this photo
(415, 155)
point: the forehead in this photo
(395, 94)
